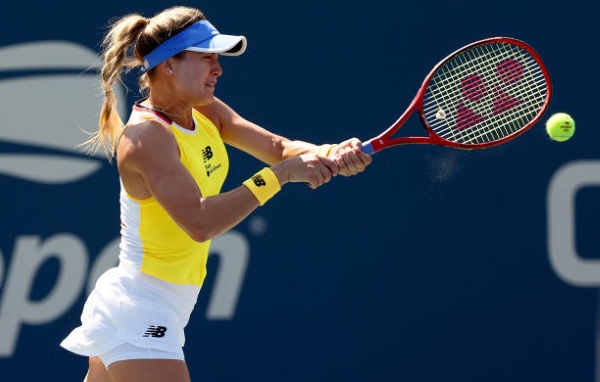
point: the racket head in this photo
(481, 95)
(484, 94)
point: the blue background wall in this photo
(451, 278)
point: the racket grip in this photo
(367, 148)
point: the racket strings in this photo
(485, 94)
(466, 117)
(495, 128)
(473, 126)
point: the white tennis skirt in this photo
(129, 307)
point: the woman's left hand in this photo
(349, 157)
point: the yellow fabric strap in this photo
(263, 185)
(325, 149)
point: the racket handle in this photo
(367, 148)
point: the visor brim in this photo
(226, 45)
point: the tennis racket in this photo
(482, 95)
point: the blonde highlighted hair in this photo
(124, 47)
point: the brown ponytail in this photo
(124, 47)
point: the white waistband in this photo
(183, 297)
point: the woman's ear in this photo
(167, 67)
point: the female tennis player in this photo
(172, 163)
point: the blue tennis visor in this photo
(198, 37)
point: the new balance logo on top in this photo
(258, 180)
(155, 331)
(207, 153)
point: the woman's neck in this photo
(179, 113)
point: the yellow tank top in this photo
(150, 239)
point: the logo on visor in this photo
(50, 98)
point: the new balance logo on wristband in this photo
(259, 180)
(155, 331)
(263, 185)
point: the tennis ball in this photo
(560, 127)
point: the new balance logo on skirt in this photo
(155, 331)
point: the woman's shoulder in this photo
(145, 137)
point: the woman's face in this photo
(195, 76)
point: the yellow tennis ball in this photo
(560, 127)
